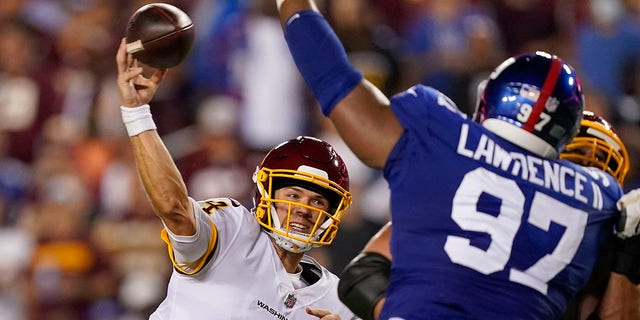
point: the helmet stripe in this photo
(547, 89)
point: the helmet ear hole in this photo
(262, 176)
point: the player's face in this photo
(304, 205)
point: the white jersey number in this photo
(503, 225)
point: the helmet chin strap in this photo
(291, 245)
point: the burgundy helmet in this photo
(310, 163)
(598, 145)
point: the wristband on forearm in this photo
(627, 258)
(138, 119)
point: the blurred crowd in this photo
(79, 240)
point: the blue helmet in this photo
(533, 100)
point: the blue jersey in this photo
(483, 229)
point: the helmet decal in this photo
(547, 89)
(312, 170)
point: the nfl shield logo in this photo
(290, 301)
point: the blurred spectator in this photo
(82, 60)
(219, 162)
(395, 13)
(127, 235)
(218, 35)
(528, 25)
(447, 44)
(262, 59)
(608, 53)
(58, 217)
(246, 51)
(118, 184)
(27, 96)
(16, 249)
(15, 179)
(371, 45)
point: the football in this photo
(159, 35)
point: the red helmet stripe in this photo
(547, 88)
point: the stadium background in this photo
(78, 239)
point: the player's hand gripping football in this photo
(629, 223)
(135, 90)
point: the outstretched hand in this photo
(322, 314)
(135, 90)
(629, 223)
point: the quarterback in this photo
(231, 262)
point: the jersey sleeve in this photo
(223, 226)
(418, 106)
(425, 113)
(190, 253)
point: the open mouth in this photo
(299, 228)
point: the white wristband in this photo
(138, 119)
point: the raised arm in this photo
(162, 182)
(359, 110)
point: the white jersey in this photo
(240, 276)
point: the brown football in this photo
(160, 35)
